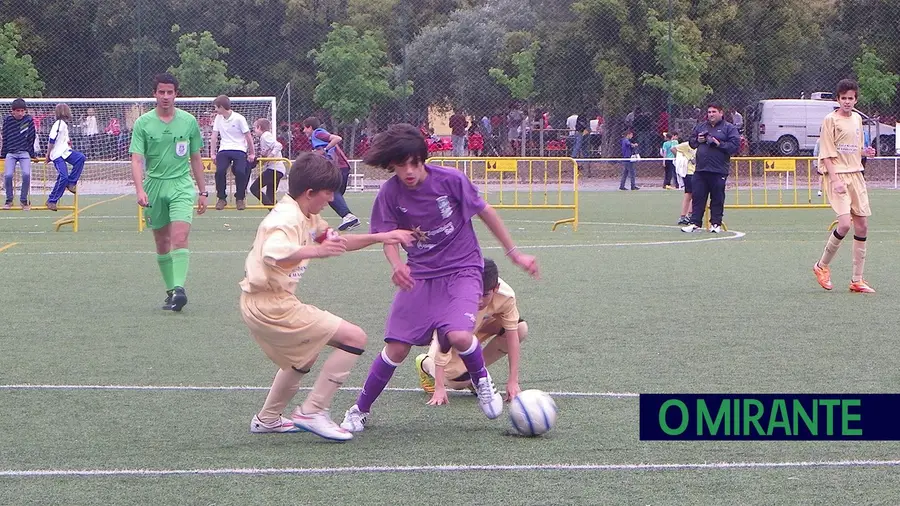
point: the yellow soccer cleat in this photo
(861, 287)
(425, 379)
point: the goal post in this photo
(101, 129)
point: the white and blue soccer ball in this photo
(532, 413)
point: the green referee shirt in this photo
(166, 147)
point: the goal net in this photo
(101, 129)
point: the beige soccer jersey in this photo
(283, 231)
(842, 140)
(502, 309)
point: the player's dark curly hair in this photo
(845, 85)
(398, 144)
(164, 78)
(490, 278)
(312, 171)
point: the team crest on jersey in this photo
(181, 148)
(443, 203)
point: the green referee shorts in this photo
(170, 200)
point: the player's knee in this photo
(353, 336)
(522, 331)
(460, 340)
(860, 226)
(395, 351)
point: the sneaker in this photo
(179, 299)
(667, 187)
(220, 204)
(7, 206)
(320, 424)
(26, 206)
(636, 188)
(684, 221)
(72, 188)
(355, 420)
(690, 228)
(52, 206)
(425, 379)
(241, 205)
(349, 222)
(488, 397)
(861, 287)
(715, 229)
(819, 193)
(167, 304)
(285, 425)
(823, 276)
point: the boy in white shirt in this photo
(236, 150)
(62, 155)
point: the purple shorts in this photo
(446, 304)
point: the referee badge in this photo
(181, 148)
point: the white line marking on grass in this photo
(705, 466)
(26, 386)
(734, 234)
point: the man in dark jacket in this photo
(715, 141)
(17, 147)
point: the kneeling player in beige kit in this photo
(290, 332)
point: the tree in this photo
(18, 76)
(684, 61)
(353, 74)
(521, 87)
(877, 86)
(201, 73)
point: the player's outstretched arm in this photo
(401, 275)
(329, 248)
(493, 222)
(512, 351)
(439, 397)
(394, 237)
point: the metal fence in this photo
(514, 77)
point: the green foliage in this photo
(201, 72)
(18, 76)
(353, 74)
(876, 85)
(521, 87)
(684, 60)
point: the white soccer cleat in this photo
(355, 420)
(284, 425)
(715, 229)
(690, 228)
(488, 397)
(320, 424)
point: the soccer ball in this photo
(532, 413)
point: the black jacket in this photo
(712, 158)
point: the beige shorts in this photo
(855, 200)
(289, 332)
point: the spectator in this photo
(458, 126)
(236, 151)
(19, 137)
(272, 171)
(629, 153)
(61, 154)
(667, 152)
(715, 141)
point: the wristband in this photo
(204, 194)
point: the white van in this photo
(789, 127)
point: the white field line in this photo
(705, 466)
(732, 234)
(28, 386)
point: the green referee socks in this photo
(165, 267)
(180, 261)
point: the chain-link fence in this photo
(485, 77)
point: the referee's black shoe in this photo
(167, 304)
(179, 299)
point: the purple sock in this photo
(474, 360)
(379, 375)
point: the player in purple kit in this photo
(440, 285)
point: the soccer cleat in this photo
(425, 379)
(488, 397)
(284, 425)
(690, 228)
(823, 276)
(861, 287)
(320, 424)
(715, 229)
(179, 299)
(167, 304)
(348, 222)
(355, 420)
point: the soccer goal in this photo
(101, 129)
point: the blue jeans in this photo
(459, 145)
(627, 172)
(24, 161)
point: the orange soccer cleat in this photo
(823, 276)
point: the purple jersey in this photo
(440, 211)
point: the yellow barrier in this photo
(523, 177)
(209, 167)
(46, 173)
(778, 176)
